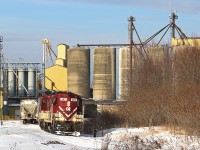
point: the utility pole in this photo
(1, 81)
(131, 19)
(173, 19)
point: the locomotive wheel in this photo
(33, 121)
(53, 125)
(49, 128)
(46, 127)
(40, 124)
(24, 121)
(52, 129)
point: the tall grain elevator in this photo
(78, 62)
(160, 66)
(56, 75)
(125, 72)
(104, 74)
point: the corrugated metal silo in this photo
(32, 82)
(21, 82)
(104, 77)
(11, 83)
(79, 71)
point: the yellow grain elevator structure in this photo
(56, 75)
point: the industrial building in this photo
(71, 71)
(56, 75)
(20, 82)
(56, 78)
(192, 41)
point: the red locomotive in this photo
(60, 112)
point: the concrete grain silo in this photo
(124, 70)
(78, 60)
(104, 75)
(157, 53)
(184, 65)
(158, 61)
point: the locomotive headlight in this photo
(68, 103)
(74, 119)
(62, 119)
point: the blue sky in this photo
(24, 23)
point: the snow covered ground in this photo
(16, 136)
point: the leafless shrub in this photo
(166, 91)
(105, 119)
(88, 126)
(108, 119)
